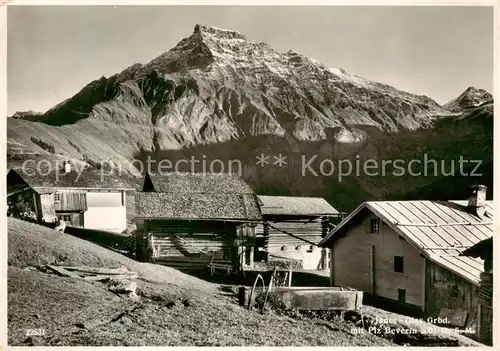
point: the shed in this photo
(291, 230)
(82, 198)
(189, 220)
(408, 252)
(484, 250)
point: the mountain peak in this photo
(471, 97)
(218, 32)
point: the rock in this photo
(122, 286)
(29, 341)
(60, 226)
(170, 304)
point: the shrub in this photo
(44, 145)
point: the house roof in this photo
(198, 196)
(291, 205)
(43, 182)
(204, 183)
(440, 230)
(483, 249)
(197, 206)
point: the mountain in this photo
(470, 98)
(27, 115)
(217, 86)
(218, 95)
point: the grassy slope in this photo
(59, 305)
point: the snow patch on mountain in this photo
(350, 136)
(216, 85)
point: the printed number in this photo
(35, 332)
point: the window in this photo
(57, 197)
(398, 264)
(402, 295)
(66, 218)
(374, 225)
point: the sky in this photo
(54, 51)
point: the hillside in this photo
(75, 312)
(469, 136)
(173, 309)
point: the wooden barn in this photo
(193, 220)
(82, 199)
(408, 253)
(291, 229)
(484, 251)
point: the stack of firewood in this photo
(486, 289)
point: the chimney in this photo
(67, 166)
(477, 202)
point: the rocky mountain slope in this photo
(28, 115)
(218, 94)
(218, 86)
(470, 98)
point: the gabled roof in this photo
(197, 196)
(204, 183)
(48, 181)
(291, 205)
(193, 206)
(440, 230)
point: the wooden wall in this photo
(365, 261)
(47, 205)
(485, 309)
(279, 245)
(71, 200)
(73, 219)
(447, 290)
(191, 244)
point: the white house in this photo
(408, 252)
(86, 199)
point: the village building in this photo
(408, 253)
(80, 198)
(195, 220)
(291, 230)
(484, 251)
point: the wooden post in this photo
(373, 278)
(152, 243)
(251, 256)
(478, 325)
(332, 268)
(35, 205)
(266, 240)
(424, 285)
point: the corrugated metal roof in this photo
(292, 205)
(439, 229)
